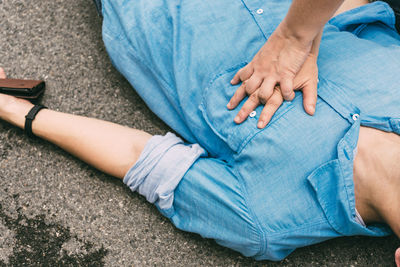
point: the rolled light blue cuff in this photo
(161, 166)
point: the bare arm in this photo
(306, 18)
(107, 146)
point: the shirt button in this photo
(260, 11)
(355, 117)
(253, 114)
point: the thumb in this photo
(310, 97)
(397, 257)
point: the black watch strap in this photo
(29, 119)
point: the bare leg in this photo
(107, 146)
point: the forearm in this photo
(306, 18)
(107, 146)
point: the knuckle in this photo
(264, 95)
(251, 87)
(242, 113)
(275, 102)
(250, 91)
(254, 98)
(244, 73)
(288, 74)
(286, 90)
(275, 105)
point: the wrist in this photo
(303, 37)
(14, 111)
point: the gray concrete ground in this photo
(56, 210)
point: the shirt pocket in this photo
(333, 185)
(213, 107)
(332, 193)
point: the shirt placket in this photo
(263, 15)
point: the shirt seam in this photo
(255, 20)
(346, 184)
(161, 81)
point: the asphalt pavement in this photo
(54, 209)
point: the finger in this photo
(2, 74)
(273, 103)
(286, 85)
(236, 78)
(310, 97)
(251, 103)
(238, 96)
(266, 90)
(243, 74)
(247, 88)
(253, 83)
(397, 257)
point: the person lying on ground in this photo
(263, 192)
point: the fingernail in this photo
(236, 119)
(311, 108)
(232, 81)
(289, 98)
(229, 105)
(260, 124)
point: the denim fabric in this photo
(262, 192)
(395, 5)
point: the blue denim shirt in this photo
(263, 192)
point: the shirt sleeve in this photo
(160, 168)
(355, 19)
